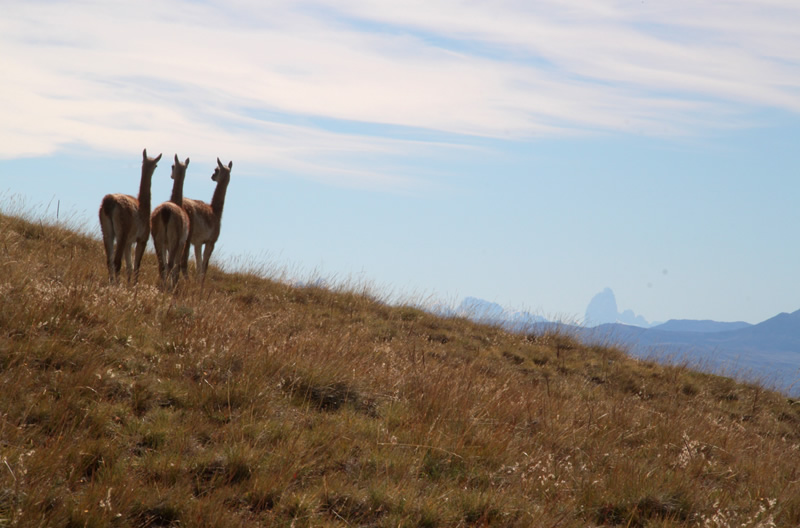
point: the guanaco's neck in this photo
(218, 200)
(177, 191)
(144, 189)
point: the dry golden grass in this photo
(253, 403)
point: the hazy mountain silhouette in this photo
(480, 310)
(603, 309)
(489, 312)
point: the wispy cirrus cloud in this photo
(254, 79)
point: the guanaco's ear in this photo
(176, 159)
(221, 166)
(187, 162)
(158, 158)
(230, 165)
(144, 154)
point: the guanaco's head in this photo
(178, 168)
(150, 163)
(222, 174)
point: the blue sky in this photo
(526, 153)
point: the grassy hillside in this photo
(253, 403)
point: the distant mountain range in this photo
(705, 326)
(768, 351)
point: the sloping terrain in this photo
(249, 402)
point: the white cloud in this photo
(194, 76)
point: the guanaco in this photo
(125, 220)
(205, 221)
(169, 225)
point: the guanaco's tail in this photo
(108, 205)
